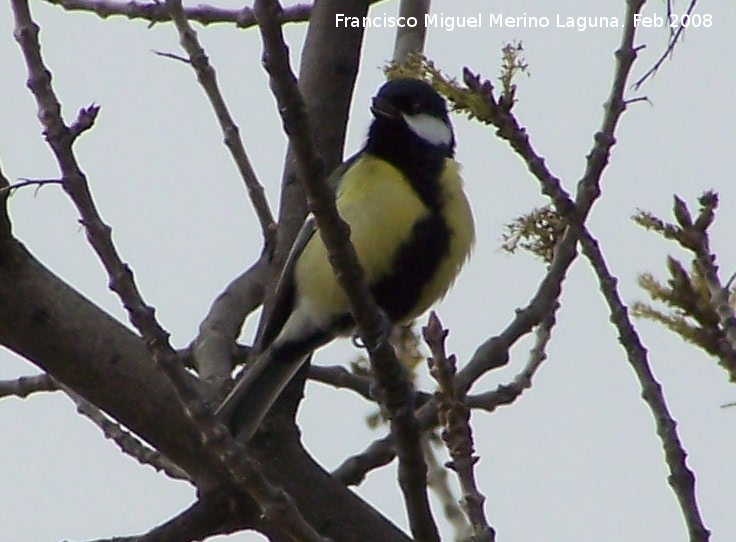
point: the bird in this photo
(412, 228)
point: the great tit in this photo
(411, 226)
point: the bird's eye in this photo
(415, 107)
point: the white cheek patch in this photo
(429, 128)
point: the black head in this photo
(412, 131)
(413, 106)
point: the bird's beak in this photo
(380, 107)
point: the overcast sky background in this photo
(576, 458)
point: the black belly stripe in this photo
(414, 266)
(417, 261)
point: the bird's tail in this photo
(261, 384)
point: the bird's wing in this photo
(283, 299)
(259, 386)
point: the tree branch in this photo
(670, 49)
(437, 481)
(5, 191)
(457, 434)
(5, 226)
(695, 238)
(34, 303)
(207, 78)
(681, 479)
(212, 515)
(494, 352)
(229, 458)
(212, 349)
(122, 380)
(24, 386)
(390, 375)
(353, 470)
(157, 12)
(339, 377)
(61, 139)
(505, 394)
(410, 39)
(127, 442)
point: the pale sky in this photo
(575, 458)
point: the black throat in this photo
(416, 261)
(418, 160)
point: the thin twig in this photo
(339, 377)
(207, 78)
(509, 129)
(394, 386)
(24, 386)
(172, 56)
(127, 442)
(457, 434)
(670, 49)
(437, 481)
(352, 471)
(85, 121)
(38, 183)
(668, 13)
(681, 478)
(505, 394)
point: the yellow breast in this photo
(382, 207)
